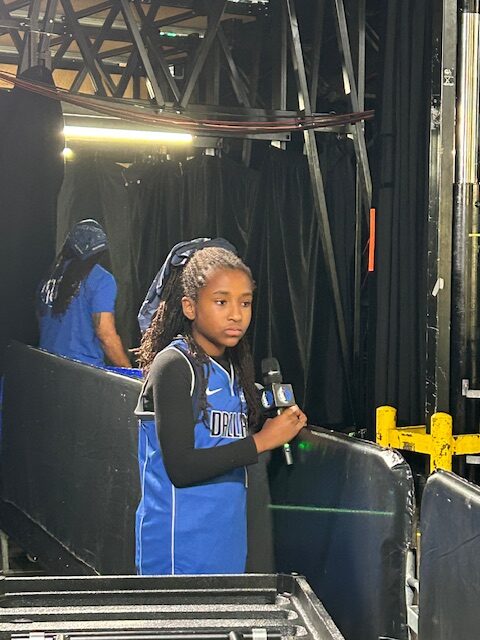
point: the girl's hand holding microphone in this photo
(281, 429)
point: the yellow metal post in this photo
(443, 443)
(440, 444)
(386, 425)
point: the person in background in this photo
(76, 301)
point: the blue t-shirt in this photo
(72, 334)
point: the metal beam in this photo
(132, 26)
(362, 10)
(319, 194)
(119, 35)
(62, 49)
(359, 136)
(317, 48)
(12, 23)
(44, 53)
(60, 39)
(136, 86)
(69, 64)
(80, 77)
(116, 53)
(152, 36)
(234, 112)
(91, 11)
(238, 85)
(17, 40)
(176, 19)
(128, 73)
(358, 271)
(212, 78)
(92, 28)
(253, 83)
(217, 8)
(95, 69)
(280, 49)
(18, 4)
(29, 56)
(11, 7)
(440, 218)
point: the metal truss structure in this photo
(188, 55)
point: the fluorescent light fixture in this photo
(73, 132)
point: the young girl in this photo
(197, 408)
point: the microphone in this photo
(277, 395)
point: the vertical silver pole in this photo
(465, 226)
(440, 209)
(467, 104)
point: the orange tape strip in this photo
(371, 242)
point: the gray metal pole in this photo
(134, 30)
(31, 39)
(319, 199)
(358, 128)
(357, 304)
(440, 210)
(465, 226)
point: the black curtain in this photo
(269, 217)
(31, 171)
(95, 188)
(294, 314)
(402, 209)
(204, 196)
(151, 206)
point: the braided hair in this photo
(169, 322)
(73, 272)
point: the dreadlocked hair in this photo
(69, 285)
(169, 322)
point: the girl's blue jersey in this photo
(202, 528)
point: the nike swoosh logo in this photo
(210, 392)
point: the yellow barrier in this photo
(440, 444)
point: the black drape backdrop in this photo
(31, 171)
(402, 208)
(151, 206)
(268, 215)
(205, 196)
(294, 317)
(95, 188)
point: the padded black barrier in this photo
(70, 470)
(343, 518)
(68, 460)
(450, 559)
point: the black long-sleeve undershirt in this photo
(168, 391)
